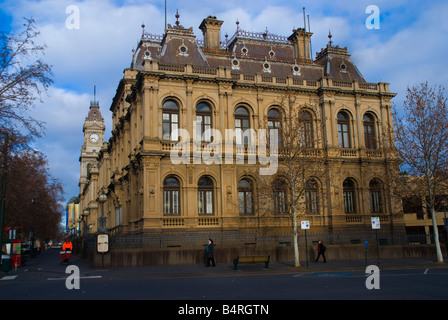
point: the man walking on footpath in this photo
(210, 253)
(320, 251)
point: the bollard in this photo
(366, 245)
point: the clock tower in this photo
(93, 140)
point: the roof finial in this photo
(177, 18)
(329, 37)
(94, 102)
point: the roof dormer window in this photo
(266, 66)
(235, 64)
(147, 54)
(343, 67)
(296, 70)
(183, 50)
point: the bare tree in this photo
(24, 76)
(421, 132)
(293, 190)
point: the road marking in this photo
(9, 277)
(331, 275)
(426, 271)
(87, 277)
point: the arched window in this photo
(170, 120)
(205, 196)
(376, 205)
(344, 130)
(203, 122)
(311, 197)
(369, 131)
(349, 196)
(279, 190)
(242, 124)
(306, 129)
(275, 123)
(171, 196)
(245, 197)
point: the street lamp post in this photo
(102, 221)
(84, 215)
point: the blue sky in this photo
(409, 47)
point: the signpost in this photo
(305, 225)
(376, 226)
(102, 243)
(102, 246)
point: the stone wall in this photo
(173, 256)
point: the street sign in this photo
(102, 243)
(375, 222)
(305, 224)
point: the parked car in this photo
(26, 247)
(57, 245)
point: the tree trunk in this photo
(436, 235)
(296, 239)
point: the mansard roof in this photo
(246, 53)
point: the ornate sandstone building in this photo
(176, 81)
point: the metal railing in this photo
(235, 239)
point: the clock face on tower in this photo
(94, 137)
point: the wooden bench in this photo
(251, 259)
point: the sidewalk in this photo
(48, 264)
(226, 269)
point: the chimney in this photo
(211, 28)
(300, 40)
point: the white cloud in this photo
(409, 47)
(64, 112)
(409, 56)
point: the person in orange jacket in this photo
(67, 246)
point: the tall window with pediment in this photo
(205, 196)
(275, 123)
(369, 131)
(306, 129)
(245, 197)
(171, 196)
(242, 126)
(170, 121)
(344, 130)
(203, 122)
(311, 197)
(279, 192)
(376, 205)
(349, 196)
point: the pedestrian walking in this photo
(67, 246)
(321, 251)
(210, 253)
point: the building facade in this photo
(178, 87)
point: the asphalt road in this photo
(44, 278)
